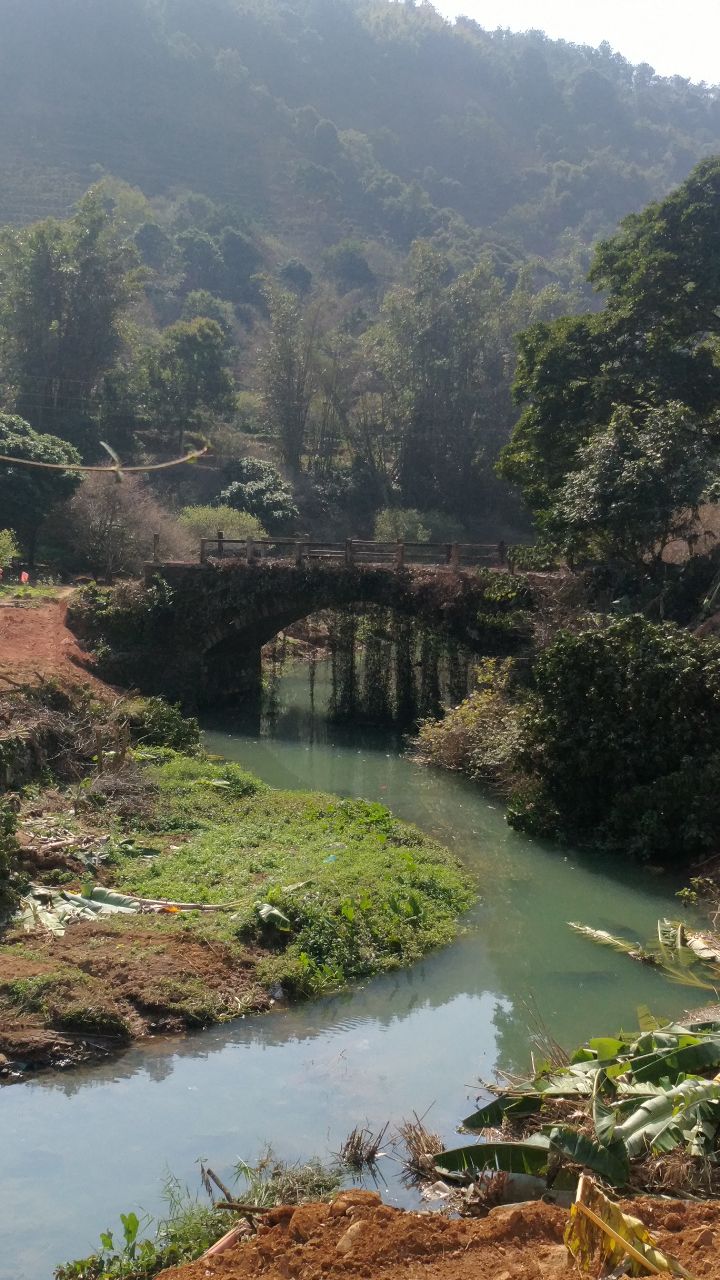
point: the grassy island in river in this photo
(309, 892)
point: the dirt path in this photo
(356, 1235)
(36, 643)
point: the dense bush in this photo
(157, 723)
(622, 744)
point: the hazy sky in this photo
(675, 38)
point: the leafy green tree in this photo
(655, 341)
(258, 488)
(205, 521)
(29, 494)
(63, 289)
(187, 379)
(295, 275)
(8, 547)
(637, 485)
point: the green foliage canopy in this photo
(623, 742)
(28, 494)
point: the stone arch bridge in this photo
(209, 621)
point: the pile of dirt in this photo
(82, 996)
(358, 1235)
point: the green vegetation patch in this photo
(337, 889)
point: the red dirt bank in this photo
(35, 641)
(356, 1235)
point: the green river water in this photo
(79, 1148)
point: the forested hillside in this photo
(314, 231)
(319, 118)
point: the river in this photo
(79, 1148)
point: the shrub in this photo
(258, 489)
(8, 851)
(483, 736)
(405, 524)
(204, 522)
(400, 524)
(157, 723)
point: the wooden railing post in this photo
(400, 555)
(156, 547)
(455, 555)
(250, 550)
(349, 551)
(298, 553)
(502, 552)
(203, 550)
(220, 544)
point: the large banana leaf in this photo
(609, 1160)
(506, 1157)
(515, 1106)
(606, 939)
(679, 961)
(687, 1115)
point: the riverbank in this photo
(237, 896)
(358, 1235)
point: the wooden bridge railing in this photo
(456, 555)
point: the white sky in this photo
(675, 38)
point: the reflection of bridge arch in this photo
(220, 614)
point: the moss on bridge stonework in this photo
(196, 631)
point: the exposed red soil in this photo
(356, 1235)
(112, 984)
(35, 642)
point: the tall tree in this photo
(288, 372)
(187, 378)
(63, 288)
(440, 354)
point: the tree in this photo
(636, 486)
(187, 378)
(29, 494)
(241, 259)
(110, 527)
(202, 303)
(202, 260)
(347, 263)
(258, 488)
(622, 742)
(287, 368)
(63, 288)
(441, 355)
(654, 342)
